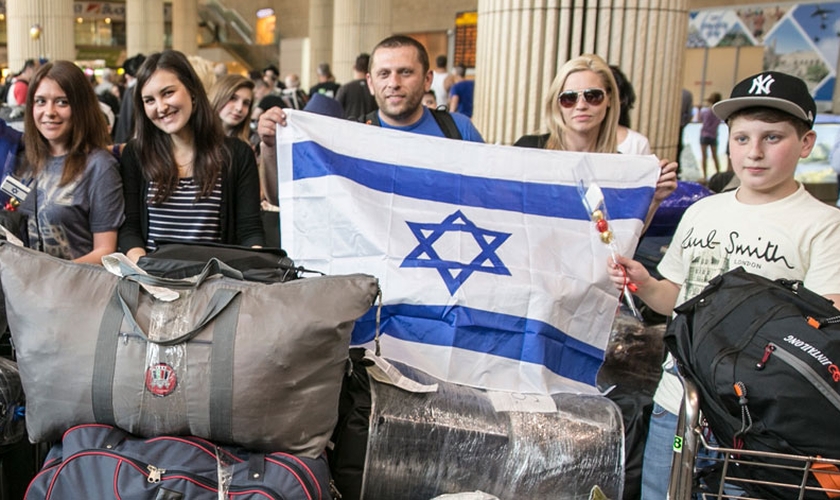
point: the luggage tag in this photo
(10, 237)
(384, 372)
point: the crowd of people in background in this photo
(177, 149)
(132, 156)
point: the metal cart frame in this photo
(689, 440)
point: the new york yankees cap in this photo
(770, 89)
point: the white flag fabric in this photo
(492, 273)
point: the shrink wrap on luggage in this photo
(508, 445)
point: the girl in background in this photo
(232, 98)
(629, 141)
(184, 181)
(709, 133)
(75, 206)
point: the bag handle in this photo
(220, 300)
(213, 267)
(121, 266)
(123, 303)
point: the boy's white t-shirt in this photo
(797, 237)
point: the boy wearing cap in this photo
(769, 226)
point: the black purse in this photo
(179, 260)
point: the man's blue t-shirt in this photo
(464, 90)
(428, 126)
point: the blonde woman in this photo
(583, 109)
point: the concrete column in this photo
(358, 25)
(185, 26)
(144, 26)
(55, 18)
(320, 37)
(522, 43)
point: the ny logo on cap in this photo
(761, 84)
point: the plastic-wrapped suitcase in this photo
(438, 438)
(101, 461)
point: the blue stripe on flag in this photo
(476, 330)
(311, 160)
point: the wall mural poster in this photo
(760, 20)
(800, 39)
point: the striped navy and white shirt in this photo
(182, 218)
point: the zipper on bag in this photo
(304, 474)
(154, 474)
(808, 373)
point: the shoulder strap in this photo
(371, 118)
(442, 117)
(447, 124)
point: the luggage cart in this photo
(690, 439)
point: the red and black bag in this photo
(101, 461)
(765, 357)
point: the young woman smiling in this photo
(76, 203)
(184, 181)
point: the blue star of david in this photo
(454, 274)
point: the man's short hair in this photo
(324, 70)
(440, 61)
(29, 63)
(132, 64)
(460, 70)
(362, 62)
(396, 41)
(273, 68)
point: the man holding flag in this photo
(398, 77)
(491, 273)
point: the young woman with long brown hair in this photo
(183, 179)
(76, 204)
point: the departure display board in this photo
(466, 31)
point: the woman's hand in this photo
(135, 253)
(667, 182)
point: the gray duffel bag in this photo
(252, 364)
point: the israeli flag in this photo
(493, 274)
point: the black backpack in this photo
(442, 117)
(778, 345)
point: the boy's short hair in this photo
(774, 90)
(771, 115)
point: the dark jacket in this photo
(240, 206)
(532, 141)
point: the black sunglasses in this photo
(569, 98)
